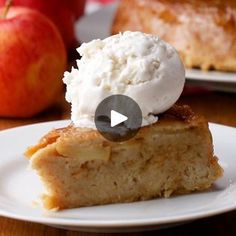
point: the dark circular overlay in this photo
(125, 106)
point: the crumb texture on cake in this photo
(80, 168)
(202, 31)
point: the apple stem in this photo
(7, 6)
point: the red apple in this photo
(76, 6)
(32, 62)
(59, 12)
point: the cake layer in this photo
(80, 168)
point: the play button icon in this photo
(118, 118)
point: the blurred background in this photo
(40, 38)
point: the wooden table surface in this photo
(216, 107)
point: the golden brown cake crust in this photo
(80, 168)
(88, 136)
(202, 31)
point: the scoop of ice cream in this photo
(134, 64)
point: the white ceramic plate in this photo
(98, 25)
(20, 187)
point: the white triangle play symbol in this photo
(117, 118)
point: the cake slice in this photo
(80, 168)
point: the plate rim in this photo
(114, 223)
(111, 223)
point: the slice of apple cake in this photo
(80, 168)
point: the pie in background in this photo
(202, 31)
